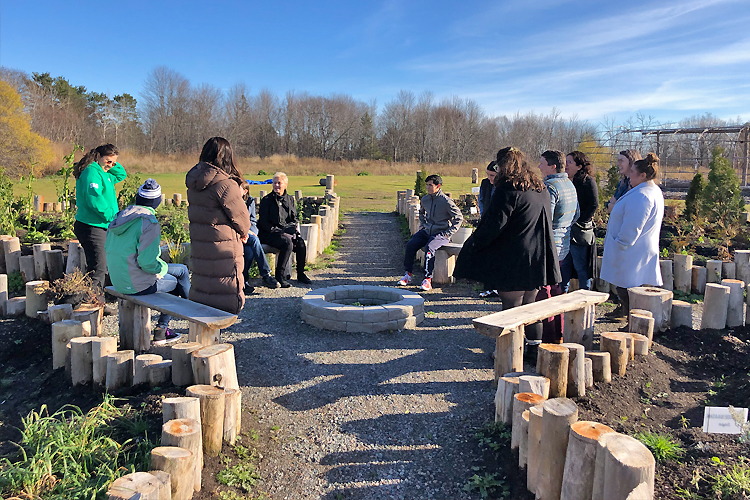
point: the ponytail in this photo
(94, 156)
(649, 166)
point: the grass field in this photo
(375, 193)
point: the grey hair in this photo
(281, 175)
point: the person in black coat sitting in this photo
(277, 227)
(512, 249)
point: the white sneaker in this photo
(405, 280)
(426, 284)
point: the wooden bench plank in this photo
(207, 316)
(502, 322)
(452, 248)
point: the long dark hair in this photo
(513, 168)
(94, 156)
(580, 158)
(218, 152)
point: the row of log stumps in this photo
(362, 308)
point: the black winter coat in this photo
(512, 248)
(277, 214)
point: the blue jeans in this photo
(254, 252)
(176, 282)
(577, 259)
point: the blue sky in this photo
(593, 59)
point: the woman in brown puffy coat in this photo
(219, 224)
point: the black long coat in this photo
(512, 248)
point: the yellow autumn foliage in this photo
(19, 145)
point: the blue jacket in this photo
(253, 217)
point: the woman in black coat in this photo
(512, 249)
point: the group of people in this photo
(537, 233)
(226, 236)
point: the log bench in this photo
(507, 327)
(135, 318)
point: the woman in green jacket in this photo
(96, 200)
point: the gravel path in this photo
(367, 416)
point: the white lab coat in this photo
(631, 247)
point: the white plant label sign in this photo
(719, 420)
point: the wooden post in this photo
(212, 416)
(142, 362)
(728, 270)
(589, 370)
(62, 333)
(101, 347)
(203, 335)
(616, 344)
(682, 314)
(666, 274)
(160, 373)
(119, 370)
(28, 271)
(475, 176)
(74, 256)
(713, 271)
(177, 199)
(683, 267)
(735, 308)
(15, 307)
(523, 445)
(521, 402)
(36, 297)
(164, 483)
(600, 366)
(533, 458)
(214, 365)
(60, 312)
(640, 323)
(40, 260)
(329, 182)
(534, 383)
(507, 387)
(552, 362)
(12, 251)
(698, 283)
(715, 307)
(309, 233)
(656, 300)
(576, 370)
(180, 464)
(182, 363)
(509, 352)
(559, 415)
(232, 414)
(126, 315)
(55, 264)
(185, 433)
(622, 464)
(4, 294)
(141, 328)
(580, 460)
(640, 344)
(134, 486)
(184, 407)
(93, 314)
(81, 363)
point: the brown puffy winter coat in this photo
(218, 219)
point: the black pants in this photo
(92, 240)
(286, 243)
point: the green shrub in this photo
(663, 446)
(35, 236)
(735, 483)
(262, 172)
(694, 198)
(420, 186)
(364, 172)
(722, 196)
(16, 283)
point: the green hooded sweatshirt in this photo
(133, 252)
(96, 198)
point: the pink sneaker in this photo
(405, 280)
(426, 284)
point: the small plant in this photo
(242, 476)
(362, 173)
(486, 484)
(16, 283)
(74, 288)
(262, 172)
(663, 446)
(254, 435)
(735, 483)
(494, 435)
(684, 422)
(739, 419)
(35, 236)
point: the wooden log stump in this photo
(179, 463)
(28, 271)
(656, 300)
(552, 362)
(74, 257)
(160, 373)
(715, 307)
(698, 282)
(667, 277)
(589, 371)
(182, 363)
(134, 486)
(475, 176)
(55, 264)
(204, 336)
(728, 271)
(507, 387)
(742, 257)
(36, 297)
(183, 407)
(509, 352)
(580, 460)
(559, 415)
(629, 344)
(101, 347)
(93, 314)
(622, 464)
(616, 344)
(185, 433)
(164, 483)
(212, 416)
(119, 370)
(81, 361)
(600, 366)
(60, 312)
(579, 325)
(576, 370)
(521, 402)
(533, 458)
(682, 314)
(644, 325)
(743, 273)
(523, 446)
(12, 252)
(40, 260)
(141, 328)
(736, 306)
(214, 365)
(4, 293)
(142, 362)
(534, 383)
(232, 414)
(641, 344)
(713, 271)
(62, 333)
(683, 272)
(15, 307)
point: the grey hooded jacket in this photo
(438, 215)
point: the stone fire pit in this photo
(362, 308)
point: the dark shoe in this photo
(270, 282)
(531, 353)
(163, 335)
(302, 278)
(617, 314)
(248, 288)
(283, 283)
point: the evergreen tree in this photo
(420, 186)
(722, 196)
(694, 198)
(367, 147)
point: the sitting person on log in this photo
(439, 219)
(277, 224)
(133, 256)
(254, 249)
